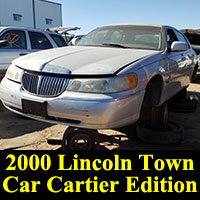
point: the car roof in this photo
(135, 24)
(26, 28)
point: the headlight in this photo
(14, 73)
(103, 85)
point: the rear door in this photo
(39, 41)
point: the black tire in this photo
(79, 139)
(188, 106)
(174, 134)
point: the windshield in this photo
(126, 36)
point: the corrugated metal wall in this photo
(52, 12)
(43, 10)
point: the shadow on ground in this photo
(13, 125)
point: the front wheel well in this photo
(153, 91)
(194, 74)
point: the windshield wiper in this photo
(114, 45)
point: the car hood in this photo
(81, 60)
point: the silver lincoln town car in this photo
(105, 80)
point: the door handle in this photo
(23, 54)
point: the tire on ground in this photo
(79, 139)
(188, 106)
(174, 134)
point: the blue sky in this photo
(89, 14)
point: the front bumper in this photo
(95, 111)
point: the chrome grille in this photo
(44, 85)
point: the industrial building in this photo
(30, 13)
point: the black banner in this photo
(99, 174)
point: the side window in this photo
(39, 41)
(171, 37)
(58, 40)
(16, 39)
(181, 38)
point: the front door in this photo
(17, 46)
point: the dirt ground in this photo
(27, 134)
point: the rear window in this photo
(59, 40)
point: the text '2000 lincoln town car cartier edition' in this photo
(105, 80)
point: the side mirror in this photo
(179, 46)
(3, 43)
